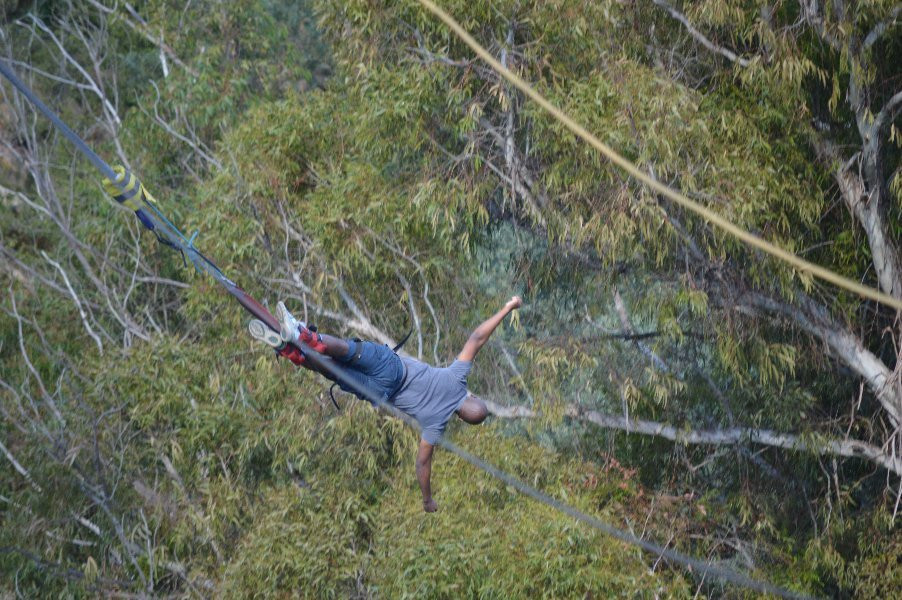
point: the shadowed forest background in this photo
(355, 160)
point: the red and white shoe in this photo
(292, 354)
(260, 332)
(296, 332)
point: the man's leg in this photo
(334, 347)
(295, 331)
(330, 346)
(370, 365)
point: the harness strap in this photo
(357, 354)
(403, 341)
(332, 396)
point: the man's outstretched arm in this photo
(481, 334)
(424, 472)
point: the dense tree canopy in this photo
(356, 160)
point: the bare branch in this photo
(413, 312)
(519, 177)
(31, 368)
(142, 27)
(395, 249)
(59, 570)
(811, 14)
(29, 67)
(700, 37)
(93, 85)
(81, 310)
(627, 326)
(862, 194)
(197, 145)
(22, 470)
(889, 112)
(516, 370)
(728, 436)
(880, 28)
(842, 343)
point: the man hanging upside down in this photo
(428, 394)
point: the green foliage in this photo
(383, 184)
(490, 557)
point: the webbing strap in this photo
(403, 341)
(124, 188)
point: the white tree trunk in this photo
(727, 436)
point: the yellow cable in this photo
(704, 212)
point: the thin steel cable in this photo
(98, 162)
(749, 238)
(701, 568)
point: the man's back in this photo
(431, 395)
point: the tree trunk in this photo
(719, 437)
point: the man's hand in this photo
(430, 505)
(515, 302)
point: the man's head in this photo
(473, 410)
